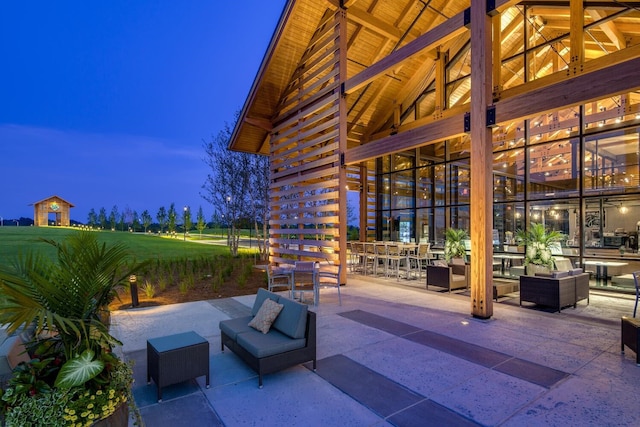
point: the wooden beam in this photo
(481, 197)
(587, 87)
(263, 124)
(436, 36)
(435, 131)
(441, 92)
(609, 28)
(497, 54)
(576, 32)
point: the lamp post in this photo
(184, 223)
(133, 283)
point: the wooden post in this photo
(342, 145)
(364, 208)
(481, 164)
(576, 34)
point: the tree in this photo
(171, 224)
(127, 213)
(122, 221)
(92, 219)
(146, 220)
(259, 203)
(161, 216)
(186, 219)
(135, 221)
(227, 186)
(201, 223)
(113, 217)
(102, 218)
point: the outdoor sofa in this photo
(556, 289)
(290, 340)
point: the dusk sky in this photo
(108, 103)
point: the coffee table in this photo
(176, 358)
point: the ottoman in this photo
(176, 358)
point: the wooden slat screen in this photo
(305, 156)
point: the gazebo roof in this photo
(71, 205)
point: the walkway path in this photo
(397, 355)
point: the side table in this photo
(630, 335)
(177, 358)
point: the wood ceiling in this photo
(378, 28)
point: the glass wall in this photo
(577, 171)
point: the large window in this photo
(611, 162)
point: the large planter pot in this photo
(120, 418)
(533, 269)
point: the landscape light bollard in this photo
(133, 285)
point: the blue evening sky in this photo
(107, 102)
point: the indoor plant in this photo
(454, 244)
(74, 378)
(538, 241)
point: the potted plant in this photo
(538, 241)
(454, 244)
(73, 378)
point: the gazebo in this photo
(54, 204)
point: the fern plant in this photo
(66, 301)
(538, 241)
(454, 243)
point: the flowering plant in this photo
(74, 407)
(538, 242)
(73, 378)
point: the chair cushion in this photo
(263, 345)
(260, 297)
(233, 327)
(292, 320)
(266, 315)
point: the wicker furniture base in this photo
(555, 292)
(177, 358)
(501, 289)
(630, 335)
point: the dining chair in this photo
(417, 261)
(304, 279)
(636, 279)
(370, 257)
(382, 255)
(278, 277)
(394, 259)
(328, 276)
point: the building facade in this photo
(481, 115)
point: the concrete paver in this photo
(600, 388)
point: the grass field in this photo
(16, 240)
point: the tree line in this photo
(237, 187)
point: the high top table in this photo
(177, 358)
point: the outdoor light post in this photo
(133, 287)
(184, 225)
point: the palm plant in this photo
(538, 242)
(67, 301)
(454, 243)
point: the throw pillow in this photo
(267, 314)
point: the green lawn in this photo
(16, 240)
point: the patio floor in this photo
(396, 354)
